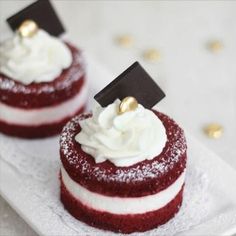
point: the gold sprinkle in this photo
(128, 104)
(213, 130)
(28, 29)
(152, 55)
(125, 41)
(215, 46)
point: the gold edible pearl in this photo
(214, 130)
(128, 104)
(28, 29)
(215, 46)
(152, 55)
(125, 41)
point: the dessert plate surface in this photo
(29, 182)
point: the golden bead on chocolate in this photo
(128, 104)
(28, 29)
(213, 130)
(215, 46)
(152, 55)
(125, 41)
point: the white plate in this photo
(29, 182)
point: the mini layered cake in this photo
(126, 175)
(42, 83)
(123, 165)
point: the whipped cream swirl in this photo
(40, 58)
(124, 139)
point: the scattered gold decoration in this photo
(152, 55)
(215, 46)
(28, 29)
(125, 41)
(214, 130)
(128, 104)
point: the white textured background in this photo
(200, 86)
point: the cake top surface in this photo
(18, 94)
(83, 169)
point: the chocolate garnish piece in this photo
(135, 82)
(43, 13)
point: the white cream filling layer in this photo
(119, 205)
(47, 115)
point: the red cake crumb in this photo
(38, 95)
(120, 223)
(144, 178)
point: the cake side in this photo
(37, 131)
(122, 223)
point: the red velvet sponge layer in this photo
(120, 223)
(38, 95)
(144, 178)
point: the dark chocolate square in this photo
(43, 13)
(135, 82)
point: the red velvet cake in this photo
(42, 85)
(132, 194)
